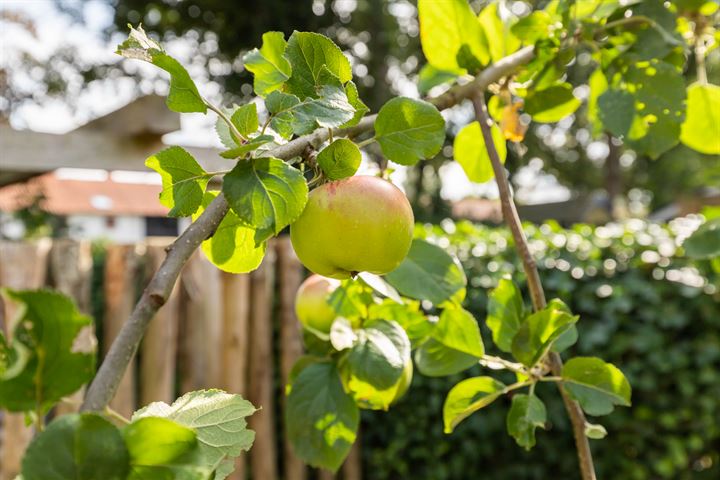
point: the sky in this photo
(101, 98)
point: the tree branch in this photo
(104, 385)
(577, 417)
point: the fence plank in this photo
(236, 318)
(352, 468)
(71, 273)
(22, 265)
(119, 289)
(261, 392)
(202, 325)
(159, 347)
(290, 276)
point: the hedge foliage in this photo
(643, 306)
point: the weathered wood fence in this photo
(235, 332)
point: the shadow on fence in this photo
(234, 332)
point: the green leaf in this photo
(160, 448)
(379, 285)
(527, 413)
(77, 447)
(446, 26)
(245, 120)
(551, 104)
(269, 67)
(470, 152)
(218, 419)
(598, 85)
(458, 329)
(141, 438)
(430, 77)
(506, 313)
(537, 333)
(340, 159)
(467, 397)
(51, 354)
(429, 273)
(409, 130)
(310, 53)
(249, 146)
(183, 96)
(617, 109)
(659, 91)
(434, 359)
(532, 28)
(379, 354)
(266, 194)
(353, 97)
(595, 431)
(570, 336)
(280, 104)
(501, 40)
(321, 419)
(705, 241)
(232, 247)
(329, 108)
(351, 299)
(596, 385)
(374, 366)
(342, 335)
(701, 129)
(657, 38)
(408, 315)
(183, 180)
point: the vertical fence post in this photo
(159, 347)
(352, 468)
(120, 294)
(290, 275)
(202, 337)
(71, 273)
(22, 265)
(235, 342)
(261, 380)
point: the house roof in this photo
(96, 192)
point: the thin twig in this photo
(487, 360)
(105, 384)
(238, 137)
(577, 417)
(116, 415)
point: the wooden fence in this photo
(235, 332)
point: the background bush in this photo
(643, 307)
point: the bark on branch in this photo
(103, 387)
(577, 417)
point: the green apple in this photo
(311, 306)
(358, 224)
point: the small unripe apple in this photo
(311, 306)
(358, 224)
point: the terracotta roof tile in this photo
(73, 197)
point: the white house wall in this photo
(123, 229)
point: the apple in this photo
(357, 224)
(311, 306)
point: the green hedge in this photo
(643, 307)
